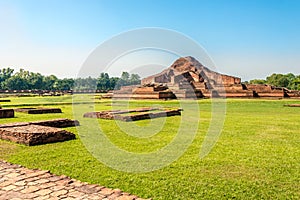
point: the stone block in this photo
(143, 89)
(150, 115)
(7, 113)
(34, 134)
(4, 100)
(142, 113)
(58, 123)
(38, 110)
(292, 105)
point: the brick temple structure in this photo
(188, 78)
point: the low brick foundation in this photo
(4, 100)
(142, 113)
(150, 115)
(38, 132)
(292, 105)
(34, 134)
(38, 110)
(7, 113)
(57, 123)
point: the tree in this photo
(18, 81)
(88, 83)
(63, 84)
(48, 82)
(103, 82)
(125, 76)
(135, 79)
(258, 81)
(289, 81)
(113, 82)
(5, 74)
(295, 84)
(35, 81)
(127, 79)
(26, 80)
(279, 80)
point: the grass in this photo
(256, 156)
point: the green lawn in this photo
(256, 157)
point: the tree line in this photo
(26, 80)
(289, 81)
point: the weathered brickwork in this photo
(19, 183)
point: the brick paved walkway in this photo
(17, 182)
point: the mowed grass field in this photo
(257, 155)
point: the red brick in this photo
(30, 189)
(58, 193)
(43, 192)
(9, 187)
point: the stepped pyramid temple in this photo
(188, 78)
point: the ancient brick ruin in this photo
(4, 100)
(57, 123)
(34, 134)
(20, 183)
(188, 78)
(39, 132)
(7, 113)
(292, 105)
(38, 110)
(139, 114)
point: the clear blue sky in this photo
(249, 39)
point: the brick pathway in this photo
(20, 183)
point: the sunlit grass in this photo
(256, 156)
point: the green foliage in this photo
(278, 80)
(127, 79)
(63, 84)
(88, 83)
(50, 82)
(26, 80)
(105, 83)
(289, 81)
(258, 81)
(5, 74)
(125, 76)
(295, 83)
(135, 79)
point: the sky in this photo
(248, 39)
